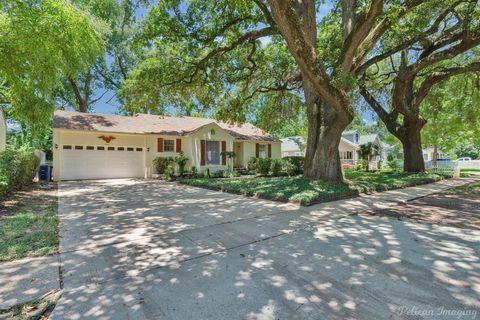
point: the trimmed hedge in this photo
(17, 170)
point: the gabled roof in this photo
(152, 124)
(366, 138)
(291, 143)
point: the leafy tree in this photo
(366, 152)
(80, 91)
(397, 82)
(453, 117)
(468, 149)
(40, 42)
(272, 57)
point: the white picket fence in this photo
(472, 164)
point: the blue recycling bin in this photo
(44, 173)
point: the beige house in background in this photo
(96, 146)
(3, 130)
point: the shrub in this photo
(169, 173)
(359, 166)
(263, 165)
(252, 164)
(194, 172)
(181, 160)
(206, 173)
(293, 165)
(393, 164)
(217, 174)
(347, 166)
(276, 167)
(17, 170)
(161, 163)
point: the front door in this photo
(238, 159)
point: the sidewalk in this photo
(27, 279)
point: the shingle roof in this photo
(152, 124)
(366, 138)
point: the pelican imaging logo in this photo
(435, 313)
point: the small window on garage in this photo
(90, 148)
(168, 145)
(78, 147)
(120, 149)
(139, 149)
(67, 147)
(111, 148)
(129, 149)
(100, 148)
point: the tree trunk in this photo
(412, 148)
(325, 127)
(435, 155)
(81, 101)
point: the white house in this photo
(3, 131)
(95, 146)
(348, 147)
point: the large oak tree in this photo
(397, 82)
(276, 55)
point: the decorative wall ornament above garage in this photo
(107, 139)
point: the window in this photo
(213, 152)
(111, 148)
(349, 155)
(120, 149)
(100, 148)
(261, 151)
(67, 147)
(78, 147)
(168, 145)
(425, 156)
(139, 149)
(90, 148)
(129, 149)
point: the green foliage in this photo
(161, 163)
(467, 149)
(293, 165)
(305, 192)
(263, 166)
(169, 173)
(194, 171)
(206, 173)
(181, 160)
(42, 41)
(276, 167)
(393, 164)
(17, 170)
(252, 164)
(367, 151)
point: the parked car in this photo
(465, 159)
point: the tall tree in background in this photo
(41, 41)
(211, 52)
(405, 74)
(453, 113)
(105, 76)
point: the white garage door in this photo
(101, 162)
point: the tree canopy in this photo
(42, 41)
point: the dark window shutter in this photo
(160, 144)
(224, 156)
(257, 150)
(202, 152)
(179, 145)
(269, 150)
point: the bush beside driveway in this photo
(300, 190)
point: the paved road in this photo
(136, 249)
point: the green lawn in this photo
(28, 234)
(300, 190)
(467, 188)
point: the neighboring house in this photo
(427, 154)
(95, 146)
(348, 147)
(3, 130)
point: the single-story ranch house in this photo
(95, 146)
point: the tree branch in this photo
(440, 76)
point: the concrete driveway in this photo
(136, 249)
